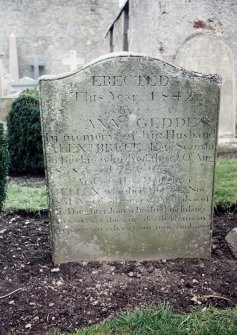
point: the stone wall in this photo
(167, 29)
(161, 27)
(176, 23)
(50, 28)
(173, 23)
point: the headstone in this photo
(5, 107)
(207, 53)
(73, 61)
(13, 58)
(22, 84)
(130, 144)
(36, 64)
(231, 239)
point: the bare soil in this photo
(36, 296)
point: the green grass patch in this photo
(25, 198)
(163, 321)
(226, 183)
(34, 199)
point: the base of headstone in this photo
(227, 142)
(227, 147)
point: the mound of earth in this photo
(36, 296)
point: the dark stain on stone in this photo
(200, 24)
(210, 24)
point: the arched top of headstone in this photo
(202, 46)
(123, 56)
(208, 53)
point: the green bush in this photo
(24, 135)
(3, 165)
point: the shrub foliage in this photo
(3, 165)
(24, 135)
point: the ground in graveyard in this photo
(36, 297)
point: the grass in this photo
(163, 321)
(25, 198)
(34, 199)
(226, 182)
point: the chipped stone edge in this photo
(217, 78)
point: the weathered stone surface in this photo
(231, 239)
(5, 106)
(130, 146)
(60, 27)
(143, 15)
(208, 53)
(118, 34)
(13, 58)
(204, 41)
(22, 84)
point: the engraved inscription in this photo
(130, 161)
